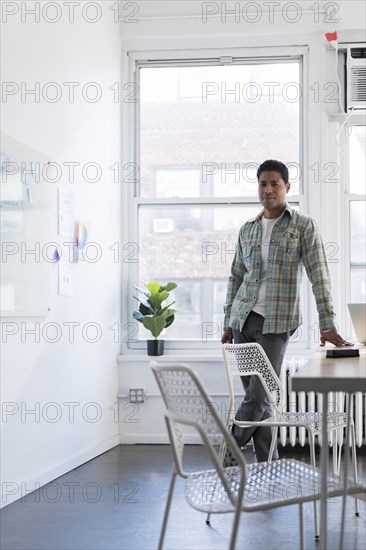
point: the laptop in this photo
(358, 317)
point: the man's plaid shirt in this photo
(295, 241)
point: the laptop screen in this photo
(358, 317)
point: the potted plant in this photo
(153, 314)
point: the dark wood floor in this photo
(116, 501)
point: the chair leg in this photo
(313, 462)
(346, 460)
(167, 508)
(302, 534)
(273, 443)
(236, 521)
(354, 464)
(221, 455)
(335, 452)
(340, 455)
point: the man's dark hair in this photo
(274, 166)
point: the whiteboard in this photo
(25, 210)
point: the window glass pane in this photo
(357, 153)
(182, 221)
(358, 230)
(195, 248)
(358, 284)
(236, 180)
(219, 122)
(233, 222)
(177, 183)
(219, 293)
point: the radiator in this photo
(312, 402)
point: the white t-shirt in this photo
(267, 226)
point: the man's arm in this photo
(333, 337)
(236, 278)
(315, 262)
(227, 336)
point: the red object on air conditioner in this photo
(330, 36)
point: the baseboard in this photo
(17, 490)
(156, 439)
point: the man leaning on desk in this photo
(263, 295)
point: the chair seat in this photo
(268, 485)
(313, 421)
(334, 419)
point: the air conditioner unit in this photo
(356, 76)
(163, 225)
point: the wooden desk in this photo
(323, 375)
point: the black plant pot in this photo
(155, 347)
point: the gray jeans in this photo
(256, 405)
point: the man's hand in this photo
(333, 337)
(227, 337)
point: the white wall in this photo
(34, 448)
(196, 22)
(81, 372)
(173, 26)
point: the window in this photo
(202, 129)
(356, 206)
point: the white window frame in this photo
(130, 160)
(356, 120)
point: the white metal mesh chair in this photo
(235, 489)
(250, 359)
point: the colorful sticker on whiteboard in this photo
(81, 235)
(56, 255)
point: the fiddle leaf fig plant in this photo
(151, 313)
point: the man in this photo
(262, 302)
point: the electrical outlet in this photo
(136, 395)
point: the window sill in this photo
(166, 358)
(195, 357)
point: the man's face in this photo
(272, 190)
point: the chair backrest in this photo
(188, 404)
(251, 359)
